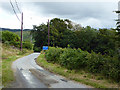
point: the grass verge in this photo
(96, 81)
(9, 55)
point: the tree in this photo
(64, 32)
(118, 33)
(101, 40)
(85, 38)
(39, 34)
(10, 36)
(60, 33)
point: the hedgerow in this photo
(77, 59)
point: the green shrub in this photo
(67, 57)
(9, 36)
(105, 65)
(73, 59)
(53, 54)
(95, 62)
(111, 68)
(37, 49)
(27, 45)
(16, 44)
(92, 62)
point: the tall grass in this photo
(9, 55)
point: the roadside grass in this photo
(9, 55)
(93, 80)
(0, 63)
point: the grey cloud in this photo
(72, 10)
(6, 6)
(79, 9)
(75, 9)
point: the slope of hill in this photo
(26, 33)
(13, 30)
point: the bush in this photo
(37, 49)
(95, 62)
(111, 68)
(16, 44)
(27, 45)
(67, 57)
(53, 54)
(73, 59)
(9, 36)
(92, 62)
(105, 65)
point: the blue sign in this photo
(45, 47)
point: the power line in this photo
(18, 10)
(14, 10)
(17, 6)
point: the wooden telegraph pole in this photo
(48, 34)
(21, 31)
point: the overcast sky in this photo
(95, 13)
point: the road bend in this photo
(29, 75)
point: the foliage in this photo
(10, 36)
(16, 44)
(53, 54)
(40, 36)
(77, 75)
(92, 62)
(9, 55)
(37, 49)
(27, 45)
(64, 32)
(111, 68)
(73, 59)
(95, 62)
(98, 41)
(117, 42)
(26, 35)
(60, 33)
(102, 45)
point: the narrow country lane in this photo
(29, 75)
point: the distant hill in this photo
(13, 30)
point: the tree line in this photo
(65, 32)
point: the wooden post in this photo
(21, 31)
(48, 34)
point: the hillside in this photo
(13, 30)
(26, 34)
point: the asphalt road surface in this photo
(29, 75)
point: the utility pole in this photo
(48, 34)
(21, 31)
